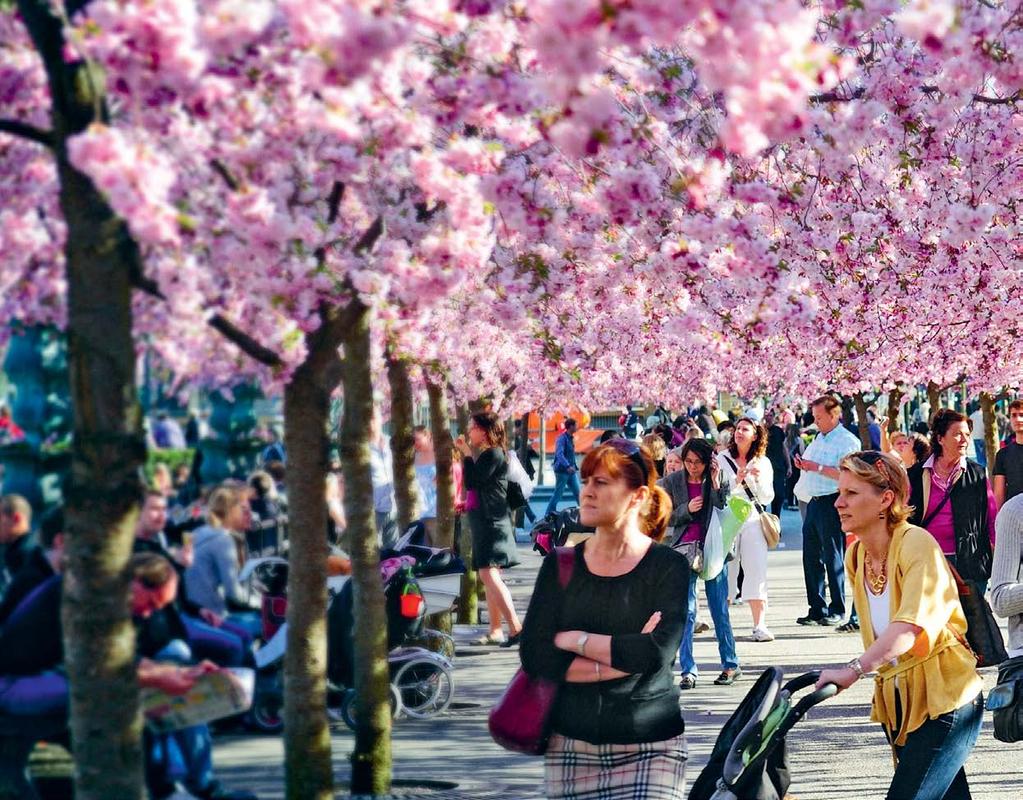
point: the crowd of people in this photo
(903, 522)
(891, 521)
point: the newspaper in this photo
(215, 695)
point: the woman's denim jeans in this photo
(931, 761)
(716, 590)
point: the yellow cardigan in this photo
(939, 673)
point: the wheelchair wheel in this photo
(425, 685)
(348, 706)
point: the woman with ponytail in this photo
(610, 636)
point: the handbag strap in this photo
(930, 517)
(566, 565)
(745, 486)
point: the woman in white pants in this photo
(747, 469)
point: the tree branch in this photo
(244, 342)
(221, 169)
(370, 237)
(28, 132)
(337, 192)
(835, 97)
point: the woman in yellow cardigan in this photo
(927, 691)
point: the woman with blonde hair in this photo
(212, 580)
(609, 638)
(927, 693)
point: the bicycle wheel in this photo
(425, 685)
(348, 705)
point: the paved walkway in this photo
(835, 753)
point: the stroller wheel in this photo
(348, 706)
(267, 713)
(426, 687)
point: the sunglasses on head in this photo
(875, 459)
(630, 450)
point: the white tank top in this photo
(880, 616)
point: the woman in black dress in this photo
(485, 474)
(610, 637)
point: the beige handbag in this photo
(770, 526)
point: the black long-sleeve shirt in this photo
(642, 707)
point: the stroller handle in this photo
(805, 680)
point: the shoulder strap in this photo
(566, 565)
(930, 517)
(749, 494)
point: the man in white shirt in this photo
(382, 474)
(823, 539)
(979, 431)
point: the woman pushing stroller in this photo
(928, 693)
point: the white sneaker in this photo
(762, 635)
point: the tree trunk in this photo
(406, 494)
(444, 450)
(894, 399)
(862, 421)
(987, 406)
(371, 757)
(104, 488)
(933, 399)
(101, 498)
(468, 601)
(307, 755)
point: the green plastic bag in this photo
(734, 516)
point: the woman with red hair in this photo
(610, 637)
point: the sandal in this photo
(687, 682)
(512, 640)
(490, 638)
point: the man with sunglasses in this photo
(823, 540)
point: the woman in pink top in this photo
(952, 498)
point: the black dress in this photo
(493, 537)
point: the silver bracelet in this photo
(856, 667)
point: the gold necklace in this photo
(876, 580)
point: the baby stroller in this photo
(749, 761)
(437, 574)
(555, 528)
(422, 681)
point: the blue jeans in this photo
(227, 646)
(561, 480)
(716, 590)
(44, 694)
(184, 756)
(824, 553)
(931, 761)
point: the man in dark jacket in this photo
(42, 563)
(15, 535)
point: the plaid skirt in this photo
(578, 770)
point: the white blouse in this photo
(762, 485)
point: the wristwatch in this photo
(580, 644)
